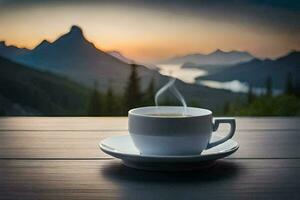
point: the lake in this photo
(188, 75)
(184, 74)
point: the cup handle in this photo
(216, 123)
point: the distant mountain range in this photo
(119, 56)
(11, 52)
(209, 69)
(75, 57)
(217, 57)
(257, 71)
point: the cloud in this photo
(276, 15)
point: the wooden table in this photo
(58, 158)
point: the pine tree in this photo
(289, 84)
(226, 108)
(95, 107)
(250, 94)
(133, 96)
(269, 92)
(150, 93)
(110, 103)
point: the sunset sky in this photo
(153, 30)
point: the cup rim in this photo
(205, 112)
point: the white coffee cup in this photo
(156, 131)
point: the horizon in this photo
(122, 54)
(149, 32)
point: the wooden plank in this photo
(63, 123)
(238, 179)
(120, 123)
(84, 144)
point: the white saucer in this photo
(123, 148)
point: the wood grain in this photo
(238, 179)
(120, 123)
(84, 144)
(58, 158)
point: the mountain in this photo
(217, 57)
(11, 52)
(257, 71)
(43, 45)
(26, 91)
(119, 56)
(73, 56)
(209, 69)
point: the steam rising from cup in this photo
(171, 85)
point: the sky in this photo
(150, 31)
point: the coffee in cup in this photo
(174, 130)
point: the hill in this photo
(119, 56)
(25, 91)
(209, 69)
(217, 57)
(11, 52)
(257, 71)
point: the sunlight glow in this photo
(142, 34)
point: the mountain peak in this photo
(43, 44)
(218, 51)
(76, 30)
(74, 36)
